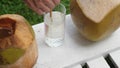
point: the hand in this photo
(42, 6)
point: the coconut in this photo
(96, 19)
(18, 47)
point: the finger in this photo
(56, 2)
(42, 6)
(49, 3)
(32, 6)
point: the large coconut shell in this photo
(18, 47)
(96, 19)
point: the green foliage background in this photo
(19, 7)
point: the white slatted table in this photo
(75, 51)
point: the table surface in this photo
(76, 49)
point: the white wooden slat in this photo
(116, 57)
(77, 66)
(98, 63)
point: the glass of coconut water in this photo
(55, 26)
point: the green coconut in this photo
(96, 19)
(17, 42)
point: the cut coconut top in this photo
(7, 27)
(96, 10)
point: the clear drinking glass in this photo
(55, 26)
